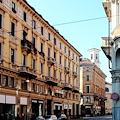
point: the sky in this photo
(83, 30)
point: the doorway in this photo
(48, 107)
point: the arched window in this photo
(106, 89)
(118, 59)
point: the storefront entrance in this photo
(48, 107)
(37, 108)
(24, 112)
(7, 112)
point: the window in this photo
(69, 64)
(87, 68)
(91, 56)
(0, 48)
(65, 49)
(38, 88)
(42, 30)
(13, 7)
(33, 41)
(69, 52)
(48, 52)
(96, 57)
(106, 89)
(65, 79)
(24, 35)
(55, 73)
(69, 80)
(60, 45)
(60, 76)
(12, 29)
(41, 47)
(33, 87)
(33, 64)
(6, 80)
(76, 58)
(0, 21)
(76, 69)
(73, 68)
(24, 59)
(60, 59)
(73, 56)
(48, 36)
(12, 82)
(23, 85)
(54, 41)
(87, 89)
(48, 71)
(73, 82)
(41, 89)
(34, 24)
(41, 68)
(24, 16)
(65, 95)
(55, 56)
(87, 78)
(87, 100)
(12, 55)
(64, 62)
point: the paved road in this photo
(96, 118)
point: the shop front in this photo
(65, 109)
(23, 105)
(70, 108)
(58, 107)
(37, 107)
(7, 107)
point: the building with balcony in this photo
(111, 48)
(39, 68)
(93, 93)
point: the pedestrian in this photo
(18, 116)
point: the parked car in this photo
(50, 117)
(62, 117)
(40, 118)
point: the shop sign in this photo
(34, 101)
(40, 101)
(70, 106)
(87, 106)
(65, 106)
(114, 96)
(23, 101)
(2, 98)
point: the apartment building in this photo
(39, 68)
(93, 85)
(108, 102)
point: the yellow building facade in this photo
(93, 95)
(39, 68)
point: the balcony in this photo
(27, 72)
(50, 61)
(75, 74)
(75, 89)
(66, 70)
(42, 54)
(67, 86)
(51, 81)
(26, 46)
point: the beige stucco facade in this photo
(93, 88)
(31, 49)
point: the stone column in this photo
(116, 89)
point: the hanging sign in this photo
(114, 96)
